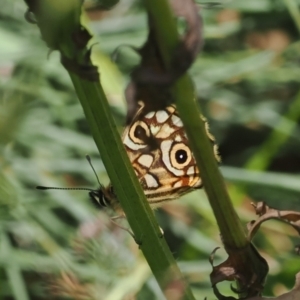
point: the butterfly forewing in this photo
(158, 149)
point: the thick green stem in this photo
(103, 128)
(243, 257)
(230, 226)
(128, 190)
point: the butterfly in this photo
(158, 148)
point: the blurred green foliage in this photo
(56, 244)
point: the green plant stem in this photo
(104, 131)
(245, 258)
(230, 226)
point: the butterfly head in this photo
(103, 197)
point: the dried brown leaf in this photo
(294, 294)
(267, 213)
(235, 268)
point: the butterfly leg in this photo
(113, 220)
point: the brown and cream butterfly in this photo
(158, 149)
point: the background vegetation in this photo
(56, 244)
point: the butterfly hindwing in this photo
(158, 149)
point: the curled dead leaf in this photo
(235, 267)
(266, 213)
(294, 294)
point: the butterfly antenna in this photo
(58, 188)
(90, 162)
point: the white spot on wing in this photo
(130, 144)
(178, 184)
(150, 181)
(161, 116)
(145, 160)
(155, 129)
(178, 138)
(176, 121)
(190, 171)
(165, 131)
(150, 114)
(170, 109)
